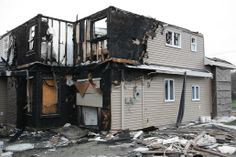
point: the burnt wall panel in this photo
(128, 34)
(23, 52)
(103, 72)
(11, 101)
(66, 111)
(3, 99)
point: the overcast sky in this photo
(216, 19)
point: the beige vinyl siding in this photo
(11, 109)
(116, 108)
(154, 111)
(160, 53)
(132, 106)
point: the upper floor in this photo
(115, 33)
(176, 46)
(41, 39)
(109, 34)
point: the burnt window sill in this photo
(50, 115)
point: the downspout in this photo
(182, 103)
(27, 91)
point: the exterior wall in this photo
(150, 108)
(3, 99)
(222, 93)
(6, 50)
(11, 102)
(233, 79)
(160, 53)
(2, 49)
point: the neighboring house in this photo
(221, 86)
(233, 78)
(122, 71)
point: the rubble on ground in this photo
(194, 139)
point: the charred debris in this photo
(47, 56)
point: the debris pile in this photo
(195, 139)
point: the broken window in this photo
(195, 92)
(169, 38)
(31, 37)
(49, 96)
(169, 90)
(100, 28)
(173, 39)
(193, 44)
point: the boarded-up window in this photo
(49, 96)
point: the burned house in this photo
(141, 64)
(109, 71)
(39, 56)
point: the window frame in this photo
(194, 93)
(93, 24)
(58, 111)
(168, 90)
(31, 37)
(172, 39)
(191, 44)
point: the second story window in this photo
(31, 37)
(100, 28)
(173, 39)
(193, 44)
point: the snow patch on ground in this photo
(227, 149)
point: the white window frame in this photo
(168, 92)
(172, 39)
(192, 44)
(194, 92)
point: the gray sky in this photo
(216, 19)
